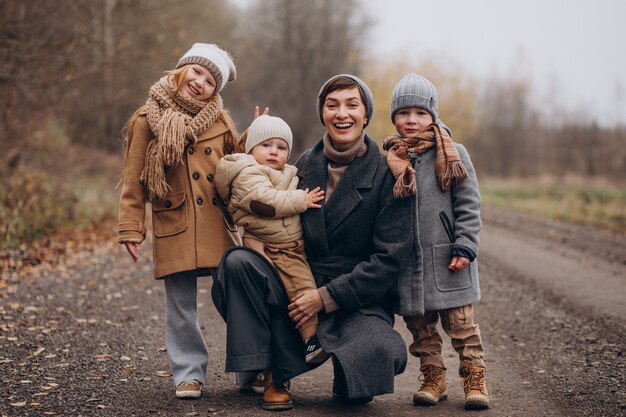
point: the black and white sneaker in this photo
(313, 351)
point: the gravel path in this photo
(85, 337)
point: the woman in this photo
(357, 250)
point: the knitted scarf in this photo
(338, 161)
(176, 121)
(449, 168)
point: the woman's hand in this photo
(266, 111)
(458, 263)
(260, 247)
(133, 250)
(304, 306)
(312, 197)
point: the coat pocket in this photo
(170, 215)
(446, 279)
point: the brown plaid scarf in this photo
(449, 168)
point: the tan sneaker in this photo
(256, 385)
(189, 389)
(433, 387)
(475, 387)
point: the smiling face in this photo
(198, 82)
(411, 121)
(272, 153)
(343, 113)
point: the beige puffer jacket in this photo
(262, 200)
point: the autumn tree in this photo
(286, 50)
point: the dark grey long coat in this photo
(358, 245)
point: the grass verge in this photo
(598, 205)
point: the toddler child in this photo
(261, 191)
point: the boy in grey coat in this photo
(438, 174)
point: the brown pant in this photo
(295, 273)
(459, 324)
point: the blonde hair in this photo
(178, 75)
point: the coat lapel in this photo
(312, 173)
(346, 197)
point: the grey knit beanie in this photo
(213, 58)
(369, 98)
(415, 91)
(267, 127)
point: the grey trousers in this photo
(185, 345)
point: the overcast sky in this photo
(574, 50)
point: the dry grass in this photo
(599, 205)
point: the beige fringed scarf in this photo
(176, 121)
(449, 168)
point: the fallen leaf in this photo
(125, 358)
(38, 351)
(20, 404)
(101, 406)
(103, 356)
(163, 373)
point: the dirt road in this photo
(85, 338)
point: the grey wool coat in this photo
(432, 286)
(357, 246)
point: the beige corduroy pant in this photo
(458, 323)
(295, 273)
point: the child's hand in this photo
(313, 196)
(133, 250)
(458, 263)
(266, 111)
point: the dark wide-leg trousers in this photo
(250, 297)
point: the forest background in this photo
(73, 71)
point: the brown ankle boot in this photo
(475, 387)
(433, 387)
(275, 399)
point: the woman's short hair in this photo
(344, 82)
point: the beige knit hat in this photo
(267, 127)
(213, 58)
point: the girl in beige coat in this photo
(173, 145)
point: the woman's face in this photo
(344, 116)
(198, 82)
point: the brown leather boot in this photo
(434, 388)
(275, 399)
(475, 387)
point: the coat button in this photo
(419, 161)
(167, 204)
(200, 201)
(208, 150)
(209, 177)
(190, 150)
(214, 201)
(195, 175)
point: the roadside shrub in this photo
(32, 204)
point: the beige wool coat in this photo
(265, 202)
(191, 227)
